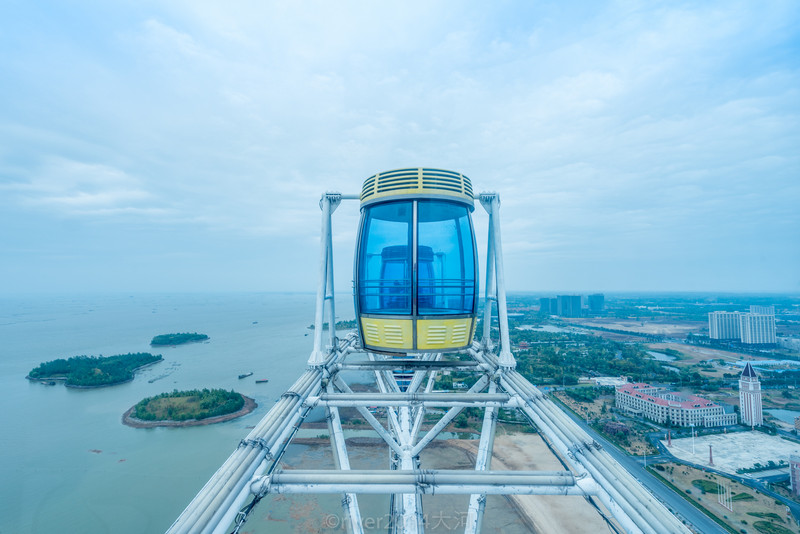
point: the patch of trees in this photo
(177, 339)
(577, 355)
(589, 394)
(94, 371)
(191, 404)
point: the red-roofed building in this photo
(662, 406)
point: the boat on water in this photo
(245, 375)
(262, 381)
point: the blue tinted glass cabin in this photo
(446, 259)
(384, 266)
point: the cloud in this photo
(611, 130)
(77, 188)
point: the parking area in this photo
(735, 450)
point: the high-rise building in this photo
(762, 310)
(757, 329)
(548, 306)
(596, 303)
(794, 473)
(724, 325)
(750, 397)
(569, 305)
(749, 328)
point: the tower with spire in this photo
(750, 397)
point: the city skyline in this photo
(184, 147)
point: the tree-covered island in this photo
(177, 339)
(187, 408)
(93, 371)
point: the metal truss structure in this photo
(253, 469)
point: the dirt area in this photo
(696, 354)
(649, 326)
(749, 506)
(587, 410)
(444, 513)
(528, 452)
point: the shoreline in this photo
(128, 420)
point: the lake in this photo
(787, 416)
(69, 465)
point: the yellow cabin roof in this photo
(417, 182)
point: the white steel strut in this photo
(253, 469)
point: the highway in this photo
(677, 504)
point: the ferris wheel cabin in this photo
(416, 265)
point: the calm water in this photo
(787, 416)
(660, 356)
(69, 465)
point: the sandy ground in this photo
(544, 514)
(645, 326)
(444, 513)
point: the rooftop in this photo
(679, 400)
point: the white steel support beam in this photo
(489, 294)
(491, 202)
(425, 482)
(419, 417)
(328, 204)
(329, 293)
(374, 423)
(477, 502)
(451, 414)
(342, 462)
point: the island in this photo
(341, 325)
(188, 408)
(93, 371)
(177, 339)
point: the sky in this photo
(184, 145)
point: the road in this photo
(679, 506)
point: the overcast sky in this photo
(184, 145)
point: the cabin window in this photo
(384, 277)
(445, 259)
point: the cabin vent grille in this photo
(459, 335)
(416, 182)
(393, 334)
(437, 335)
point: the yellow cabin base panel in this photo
(393, 334)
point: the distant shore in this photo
(129, 420)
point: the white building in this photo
(794, 472)
(724, 325)
(750, 397)
(663, 406)
(757, 329)
(762, 310)
(749, 328)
